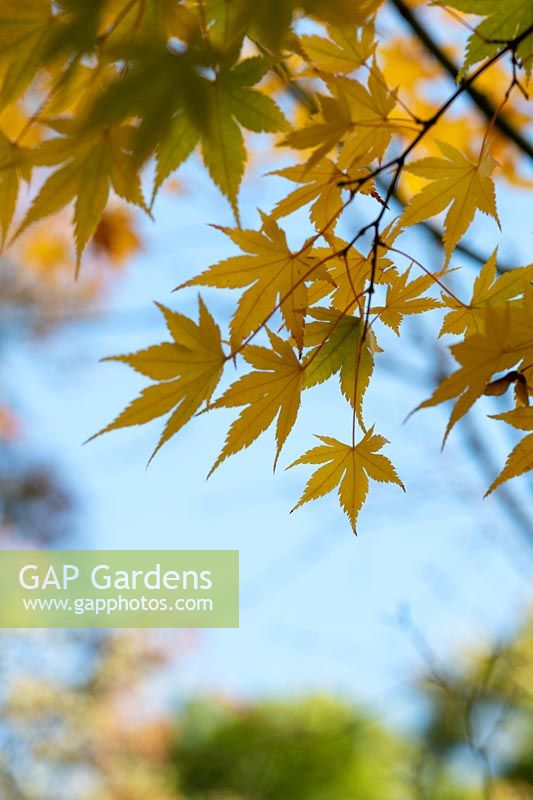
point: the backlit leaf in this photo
(520, 460)
(489, 290)
(97, 163)
(188, 370)
(271, 273)
(272, 391)
(347, 468)
(458, 183)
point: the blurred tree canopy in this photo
(99, 731)
(316, 749)
(102, 102)
(482, 709)
(473, 741)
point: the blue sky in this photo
(319, 606)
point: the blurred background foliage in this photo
(94, 735)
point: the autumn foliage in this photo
(93, 93)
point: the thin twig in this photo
(484, 105)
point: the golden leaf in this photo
(503, 342)
(348, 468)
(274, 274)
(94, 164)
(519, 460)
(458, 182)
(489, 290)
(405, 298)
(355, 115)
(336, 347)
(187, 369)
(272, 390)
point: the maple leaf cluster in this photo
(122, 83)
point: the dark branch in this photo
(466, 249)
(480, 100)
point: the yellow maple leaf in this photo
(25, 31)
(323, 133)
(489, 289)
(405, 297)
(370, 109)
(343, 52)
(270, 20)
(187, 371)
(322, 186)
(92, 164)
(232, 103)
(519, 460)
(504, 342)
(336, 346)
(15, 164)
(73, 92)
(274, 274)
(272, 390)
(343, 12)
(458, 182)
(347, 468)
(346, 272)
(353, 114)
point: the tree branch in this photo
(482, 102)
